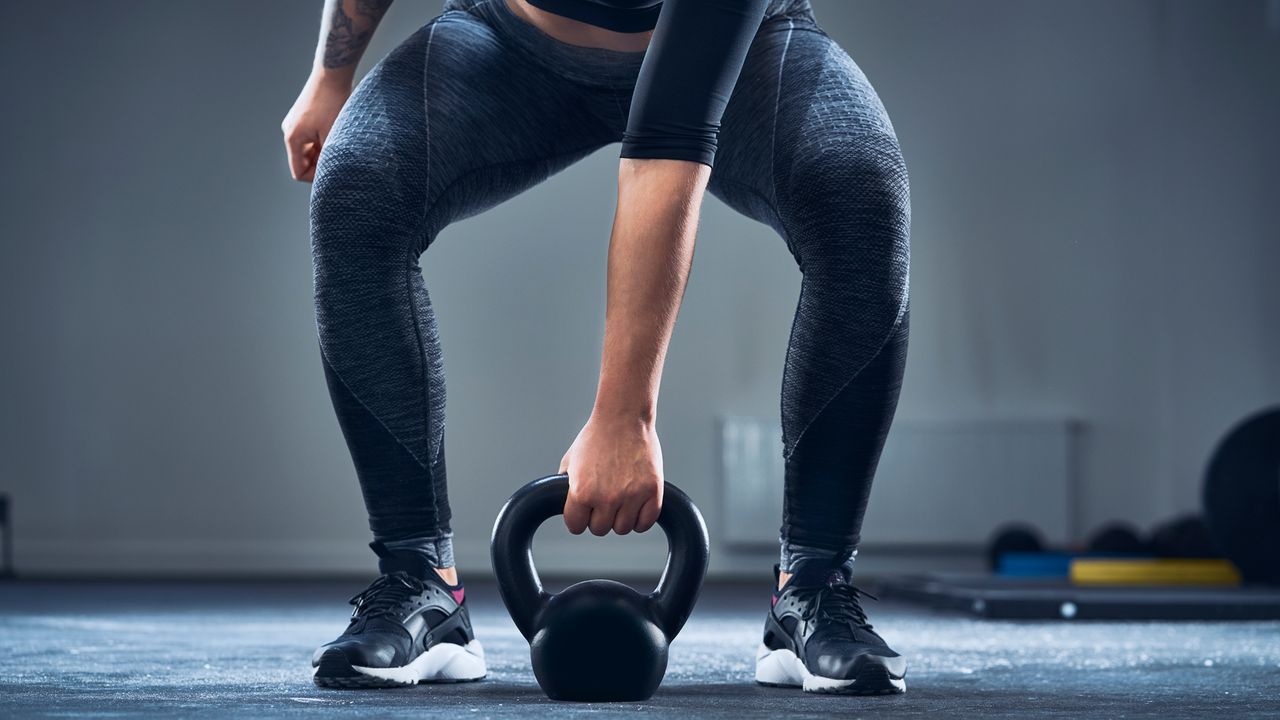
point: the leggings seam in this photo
(782, 394)
(883, 344)
(413, 311)
(777, 101)
(788, 452)
(622, 117)
(408, 286)
(336, 373)
(426, 387)
(426, 111)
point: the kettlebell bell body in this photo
(597, 640)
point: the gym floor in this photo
(241, 649)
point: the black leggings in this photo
(478, 106)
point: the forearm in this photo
(650, 253)
(345, 31)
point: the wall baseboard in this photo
(304, 557)
(312, 558)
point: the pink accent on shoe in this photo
(775, 600)
(458, 594)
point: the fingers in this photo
(599, 506)
(576, 515)
(579, 516)
(625, 520)
(602, 520)
(302, 151)
(640, 513)
(311, 153)
(648, 514)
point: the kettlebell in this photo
(597, 640)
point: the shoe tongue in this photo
(819, 574)
(412, 563)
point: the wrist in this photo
(641, 415)
(340, 79)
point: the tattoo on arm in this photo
(373, 8)
(348, 36)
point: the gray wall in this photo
(1095, 215)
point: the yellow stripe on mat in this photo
(1096, 571)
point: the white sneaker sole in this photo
(443, 663)
(781, 668)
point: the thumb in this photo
(300, 150)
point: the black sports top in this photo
(690, 67)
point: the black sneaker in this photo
(817, 637)
(409, 626)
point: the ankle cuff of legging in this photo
(436, 550)
(793, 554)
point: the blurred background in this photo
(1096, 192)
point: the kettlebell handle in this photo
(688, 550)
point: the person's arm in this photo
(689, 71)
(615, 464)
(345, 30)
(650, 254)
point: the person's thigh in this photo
(743, 176)
(456, 121)
(801, 105)
(450, 123)
(807, 148)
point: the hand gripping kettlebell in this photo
(597, 640)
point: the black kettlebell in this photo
(597, 640)
(1117, 538)
(1013, 538)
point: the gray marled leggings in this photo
(478, 106)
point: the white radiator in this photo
(940, 484)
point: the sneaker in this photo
(409, 626)
(817, 637)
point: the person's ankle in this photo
(449, 575)
(783, 577)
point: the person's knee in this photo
(367, 201)
(849, 218)
(363, 230)
(361, 197)
(851, 203)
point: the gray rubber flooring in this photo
(242, 649)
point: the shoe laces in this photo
(386, 595)
(839, 604)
